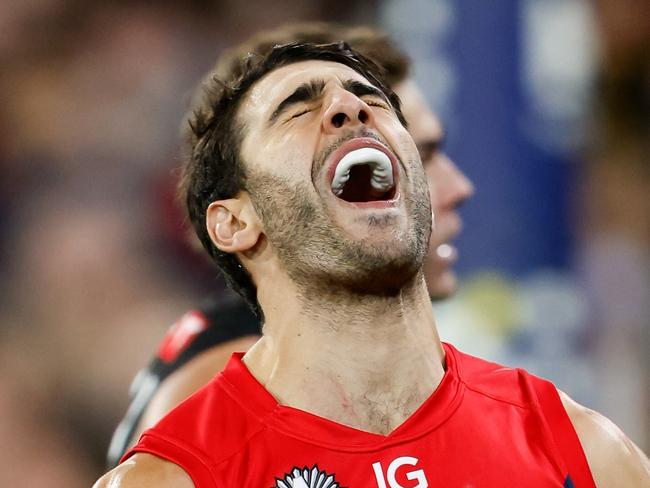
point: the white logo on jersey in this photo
(307, 478)
(392, 470)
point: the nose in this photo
(346, 111)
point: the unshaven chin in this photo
(321, 259)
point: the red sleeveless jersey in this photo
(484, 426)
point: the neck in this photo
(366, 361)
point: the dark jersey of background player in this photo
(200, 342)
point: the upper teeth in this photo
(382, 170)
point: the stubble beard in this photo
(317, 254)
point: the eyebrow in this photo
(310, 91)
(306, 92)
(360, 89)
(430, 144)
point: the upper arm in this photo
(614, 460)
(145, 470)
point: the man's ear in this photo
(233, 224)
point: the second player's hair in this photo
(370, 42)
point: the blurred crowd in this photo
(93, 261)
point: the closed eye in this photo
(429, 149)
(302, 112)
(375, 103)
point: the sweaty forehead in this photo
(266, 93)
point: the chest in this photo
(467, 459)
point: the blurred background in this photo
(547, 105)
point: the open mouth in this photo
(364, 175)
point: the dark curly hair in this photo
(213, 169)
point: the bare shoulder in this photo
(614, 460)
(145, 470)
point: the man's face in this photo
(335, 178)
(448, 187)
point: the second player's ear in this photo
(233, 224)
